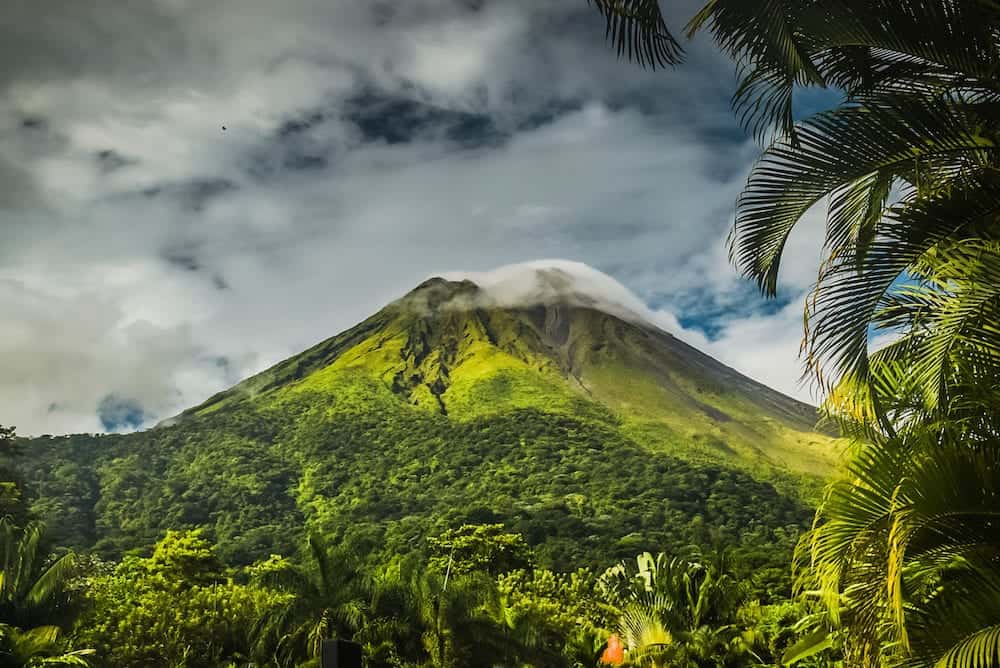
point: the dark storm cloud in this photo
(183, 256)
(395, 119)
(300, 124)
(19, 191)
(33, 123)
(193, 195)
(548, 113)
(24, 139)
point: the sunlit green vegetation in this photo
(483, 605)
(405, 485)
(905, 555)
(520, 576)
(579, 493)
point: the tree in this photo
(12, 502)
(171, 609)
(32, 582)
(328, 599)
(557, 615)
(391, 633)
(674, 611)
(485, 548)
(33, 594)
(905, 552)
(8, 444)
(460, 620)
(908, 162)
(40, 646)
(185, 558)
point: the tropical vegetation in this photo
(182, 606)
(905, 553)
(467, 555)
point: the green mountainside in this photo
(440, 350)
(594, 435)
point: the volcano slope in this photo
(591, 432)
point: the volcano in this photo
(569, 417)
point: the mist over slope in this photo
(546, 282)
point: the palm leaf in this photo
(639, 32)
(812, 644)
(51, 581)
(762, 36)
(979, 650)
(835, 150)
(859, 46)
(643, 633)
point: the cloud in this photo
(551, 281)
(62, 355)
(761, 346)
(367, 146)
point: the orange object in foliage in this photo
(614, 654)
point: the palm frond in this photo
(762, 36)
(903, 544)
(811, 644)
(51, 581)
(859, 46)
(643, 633)
(979, 650)
(835, 150)
(946, 311)
(639, 32)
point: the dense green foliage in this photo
(34, 600)
(479, 547)
(12, 501)
(905, 553)
(30, 593)
(579, 493)
(463, 461)
(395, 436)
(183, 606)
(455, 481)
(174, 608)
(590, 436)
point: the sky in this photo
(197, 189)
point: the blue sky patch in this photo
(710, 312)
(118, 413)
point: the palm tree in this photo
(327, 600)
(908, 553)
(644, 633)
(675, 611)
(12, 502)
(524, 634)
(455, 615)
(905, 549)
(391, 632)
(40, 646)
(32, 584)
